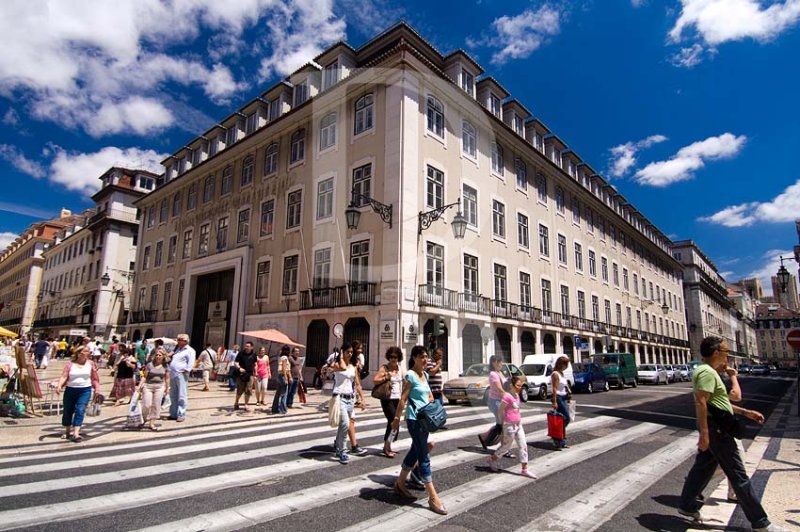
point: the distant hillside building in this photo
(788, 298)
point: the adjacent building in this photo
(247, 227)
(772, 324)
(21, 268)
(88, 269)
(743, 321)
(786, 298)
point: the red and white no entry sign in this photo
(793, 338)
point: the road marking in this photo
(263, 511)
(590, 509)
(466, 497)
(633, 411)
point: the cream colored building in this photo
(254, 209)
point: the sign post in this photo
(793, 339)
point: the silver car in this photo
(653, 373)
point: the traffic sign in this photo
(793, 338)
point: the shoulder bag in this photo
(384, 389)
(728, 423)
(431, 416)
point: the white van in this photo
(537, 370)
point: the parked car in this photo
(537, 370)
(760, 369)
(671, 377)
(620, 368)
(744, 368)
(472, 386)
(589, 377)
(685, 372)
(653, 373)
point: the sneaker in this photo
(491, 465)
(528, 473)
(509, 454)
(358, 451)
(695, 516)
(343, 457)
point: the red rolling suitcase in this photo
(555, 425)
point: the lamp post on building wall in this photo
(459, 222)
(353, 215)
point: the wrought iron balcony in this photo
(348, 295)
(54, 322)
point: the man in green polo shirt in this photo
(716, 446)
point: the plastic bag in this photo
(135, 418)
(571, 405)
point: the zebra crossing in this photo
(252, 473)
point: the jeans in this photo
(38, 359)
(292, 391)
(279, 401)
(75, 401)
(418, 453)
(346, 412)
(563, 409)
(497, 429)
(389, 407)
(178, 395)
(722, 450)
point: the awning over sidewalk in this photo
(7, 334)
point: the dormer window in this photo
(215, 146)
(331, 75)
(232, 134)
(252, 123)
(538, 141)
(517, 123)
(197, 155)
(300, 93)
(274, 109)
(556, 156)
(495, 107)
(467, 82)
(182, 165)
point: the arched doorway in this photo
(471, 346)
(598, 346)
(527, 343)
(549, 342)
(502, 341)
(432, 342)
(568, 346)
(317, 336)
(148, 334)
(358, 329)
(137, 335)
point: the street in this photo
(629, 452)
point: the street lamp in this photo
(105, 279)
(459, 222)
(353, 215)
(783, 276)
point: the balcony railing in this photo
(438, 297)
(348, 295)
(54, 322)
(114, 214)
(144, 316)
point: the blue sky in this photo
(689, 107)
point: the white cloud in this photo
(7, 238)
(519, 36)
(637, 3)
(688, 57)
(688, 159)
(785, 207)
(771, 264)
(11, 118)
(81, 171)
(623, 157)
(17, 159)
(719, 21)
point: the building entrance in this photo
(211, 288)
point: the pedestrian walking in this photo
(392, 374)
(296, 370)
(561, 397)
(283, 381)
(221, 364)
(346, 387)
(246, 369)
(513, 430)
(495, 394)
(40, 349)
(156, 381)
(263, 375)
(205, 362)
(124, 383)
(180, 365)
(730, 378)
(416, 394)
(232, 374)
(78, 379)
(434, 371)
(715, 442)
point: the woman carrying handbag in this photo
(388, 388)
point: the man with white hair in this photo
(179, 367)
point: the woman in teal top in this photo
(416, 394)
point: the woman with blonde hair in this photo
(156, 380)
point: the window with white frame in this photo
(576, 210)
(522, 174)
(525, 298)
(267, 218)
(498, 219)
(627, 317)
(325, 199)
(435, 116)
(547, 297)
(226, 184)
(434, 268)
(639, 319)
(644, 288)
(625, 279)
(578, 257)
(541, 188)
(604, 269)
(322, 268)
(243, 227)
(151, 216)
(564, 300)
(500, 283)
(248, 169)
(294, 209)
(146, 258)
(595, 308)
(208, 189)
(364, 117)
(607, 309)
(163, 213)
(544, 241)
(172, 249)
(202, 241)
(635, 284)
(176, 204)
(518, 124)
(222, 233)
(470, 198)
(612, 232)
(271, 159)
(618, 309)
(153, 297)
(362, 184)
(159, 254)
(470, 275)
(232, 135)
(562, 249)
(251, 123)
(215, 145)
(434, 197)
(167, 295)
(469, 139)
(274, 109)
(560, 202)
(359, 263)
(187, 244)
(300, 93)
(523, 235)
(298, 146)
(495, 106)
(290, 269)
(262, 279)
(497, 159)
(581, 305)
(615, 274)
(330, 76)
(191, 198)
(327, 131)
(538, 141)
(592, 264)
(467, 82)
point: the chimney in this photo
(65, 213)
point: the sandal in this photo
(389, 454)
(441, 510)
(403, 492)
(153, 428)
(77, 439)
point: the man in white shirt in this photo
(179, 367)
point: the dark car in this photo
(745, 368)
(589, 377)
(760, 369)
